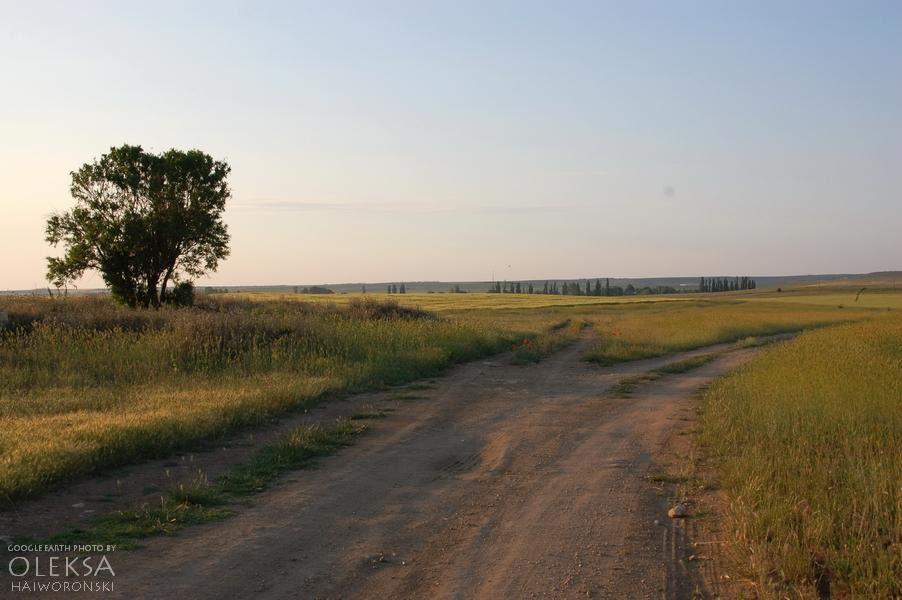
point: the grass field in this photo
(846, 299)
(474, 301)
(632, 327)
(809, 440)
(654, 329)
(86, 385)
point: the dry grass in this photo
(845, 298)
(647, 330)
(474, 301)
(532, 349)
(86, 385)
(809, 440)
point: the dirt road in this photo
(504, 482)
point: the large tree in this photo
(144, 221)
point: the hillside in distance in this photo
(878, 280)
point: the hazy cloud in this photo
(313, 206)
(305, 205)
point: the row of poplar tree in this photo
(725, 284)
(575, 288)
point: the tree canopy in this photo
(143, 221)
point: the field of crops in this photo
(809, 440)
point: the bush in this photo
(181, 295)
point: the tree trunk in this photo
(153, 296)
(166, 279)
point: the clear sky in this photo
(379, 141)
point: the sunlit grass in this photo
(441, 301)
(656, 329)
(81, 393)
(809, 440)
(534, 348)
(846, 298)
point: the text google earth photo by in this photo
(465, 300)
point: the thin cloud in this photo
(513, 209)
(427, 207)
(309, 206)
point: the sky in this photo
(393, 141)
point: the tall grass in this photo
(809, 440)
(86, 385)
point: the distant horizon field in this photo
(445, 301)
(448, 301)
(685, 284)
(830, 297)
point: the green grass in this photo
(204, 502)
(668, 478)
(368, 414)
(627, 386)
(808, 438)
(689, 364)
(125, 528)
(297, 450)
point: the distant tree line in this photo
(394, 289)
(313, 289)
(577, 288)
(725, 284)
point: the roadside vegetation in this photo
(86, 384)
(808, 438)
(627, 386)
(532, 349)
(203, 501)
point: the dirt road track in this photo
(506, 482)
